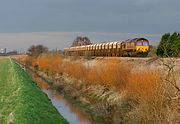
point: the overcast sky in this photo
(56, 23)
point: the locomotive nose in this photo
(142, 49)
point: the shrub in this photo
(169, 45)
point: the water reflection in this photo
(70, 112)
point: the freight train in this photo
(133, 47)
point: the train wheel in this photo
(142, 54)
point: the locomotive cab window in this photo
(145, 43)
(139, 43)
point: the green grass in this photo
(21, 100)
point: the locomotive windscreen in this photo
(139, 43)
(142, 42)
(145, 43)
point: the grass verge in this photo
(21, 100)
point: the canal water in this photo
(71, 113)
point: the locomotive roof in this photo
(135, 39)
(112, 42)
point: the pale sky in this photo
(56, 23)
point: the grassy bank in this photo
(22, 101)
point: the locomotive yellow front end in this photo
(142, 46)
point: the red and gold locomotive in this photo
(134, 47)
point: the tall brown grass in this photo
(111, 72)
(51, 63)
(144, 82)
(150, 95)
(76, 70)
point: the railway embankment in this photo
(115, 90)
(22, 101)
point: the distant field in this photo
(21, 100)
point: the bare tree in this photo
(79, 41)
(36, 50)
